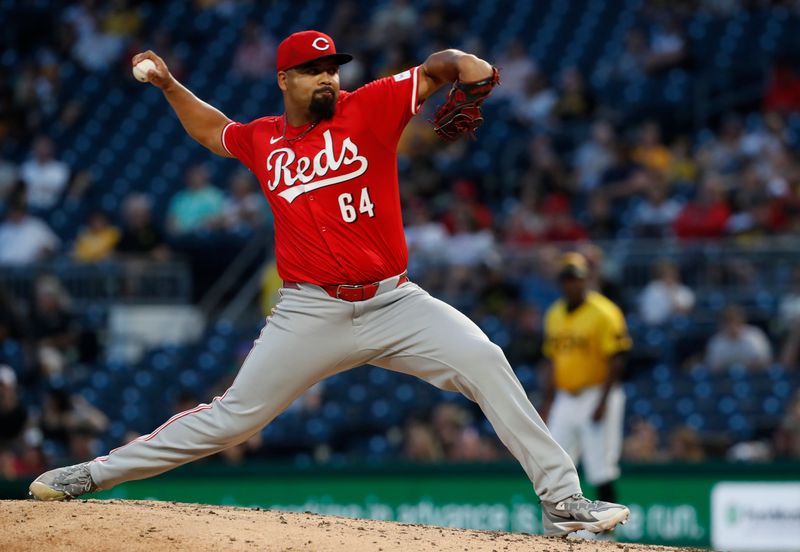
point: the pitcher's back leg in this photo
(305, 340)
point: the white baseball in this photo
(140, 69)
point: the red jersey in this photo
(334, 192)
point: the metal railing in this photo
(722, 271)
(238, 286)
(118, 281)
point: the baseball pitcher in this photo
(585, 342)
(328, 167)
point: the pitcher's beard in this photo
(322, 108)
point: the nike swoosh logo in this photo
(275, 140)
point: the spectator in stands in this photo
(30, 458)
(787, 437)
(255, 55)
(665, 297)
(517, 68)
(199, 206)
(601, 277)
(223, 8)
(45, 176)
(755, 215)
(245, 207)
(789, 325)
(738, 344)
(122, 19)
(724, 153)
(498, 296)
(9, 174)
(537, 102)
(84, 443)
(72, 423)
(466, 205)
(655, 215)
(649, 151)
(630, 65)
(81, 188)
(707, 215)
(683, 167)
(468, 244)
(789, 204)
(667, 45)
(789, 307)
(25, 239)
(420, 443)
(601, 224)
(14, 419)
(424, 236)
(13, 325)
(393, 23)
(767, 139)
(458, 439)
(11, 115)
(685, 445)
(623, 178)
(524, 224)
(93, 49)
(141, 237)
(595, 156)
(538, 282)
(44, 87)
(575, 101)
(560, 225)
(97, 240)
(444, 23)
(641, 444)
(525, 344)
(545, 168)
(55, 327)
(783, 88)
(13, 414)
(240, 453)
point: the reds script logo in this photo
(309, 172)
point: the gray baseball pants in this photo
(311, 336)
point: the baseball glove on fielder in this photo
(461, 113)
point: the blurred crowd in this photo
(577, 170)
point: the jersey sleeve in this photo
(237, 139)
(389, 103)
(614, 337)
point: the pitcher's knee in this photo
(484, 370)
(231, 423)
(483, 356)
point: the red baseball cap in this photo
(305, 46)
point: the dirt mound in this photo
(100, 525)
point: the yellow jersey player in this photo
(585, 344)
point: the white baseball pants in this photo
(311, 336)
(595, 445)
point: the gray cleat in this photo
(577, 513)
(63, 483)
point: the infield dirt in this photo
(122, 525)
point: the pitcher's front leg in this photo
(420, 335)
